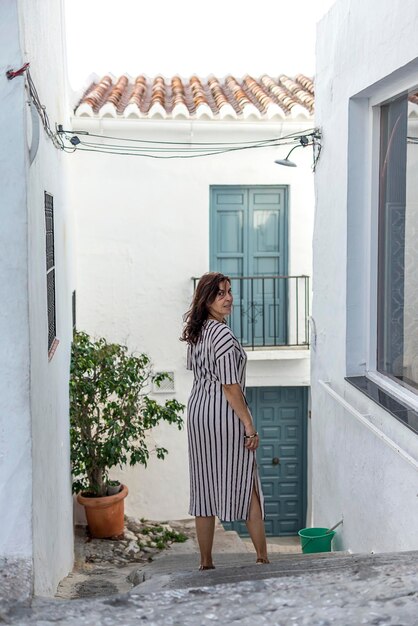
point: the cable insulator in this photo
(13, 73)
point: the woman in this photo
(222, 439)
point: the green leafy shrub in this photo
(160, 536)
(111, 411)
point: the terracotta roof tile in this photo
(259, 93)
(139, 92)
(177, 90)
(217, 93)
(117, 91)
(96, 96)
(197, 90)
(262, 98)
(158, 91)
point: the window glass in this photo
(397, 345)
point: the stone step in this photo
(185, 562)
(180, 572)
(369, 590)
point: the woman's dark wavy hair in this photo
(206, 292)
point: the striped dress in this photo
(222, 471)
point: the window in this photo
(50, 268)
(397, 320)
(74, 310)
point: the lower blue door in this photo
(280, 415)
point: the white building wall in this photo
(15, 425)
(35, 493)
(42, 40)
(142, 233)
(364, 460)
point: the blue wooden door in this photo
(280, 415)
(248, 237)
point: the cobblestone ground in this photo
(333, 589)
(372, 596)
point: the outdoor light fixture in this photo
(313, 139)
(286, 161)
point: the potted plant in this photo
(110, 415)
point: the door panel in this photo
(268, 254)
(280, 415)
(230, 232)
(228, 245)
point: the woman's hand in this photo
(251, 441)
(235, 398)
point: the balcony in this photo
(270, 311)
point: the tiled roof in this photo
(197, 98)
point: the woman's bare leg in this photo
(255, 526)
(205, 529)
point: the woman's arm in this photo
(235, 398)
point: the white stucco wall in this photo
(142, 233)
(42, 39)
(36, 516)
(364, 460)
(15, 426)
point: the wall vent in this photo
(166, 386)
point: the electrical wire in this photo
(41, 109)
(150, 148)
(195, 143)
(86, 147)
(53, 136)
(175, 150)
(179, 151)
(317, 148)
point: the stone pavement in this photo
(300, 590)
(104, 567)
(15, 581)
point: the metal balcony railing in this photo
(270, 311)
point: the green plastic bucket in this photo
(315, 540)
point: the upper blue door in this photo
(248, 237)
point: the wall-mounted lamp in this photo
(312, 139)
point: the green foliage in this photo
(167, 536)
(173, 535)
(111, 411)
(160, 536)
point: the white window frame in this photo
(363, 161)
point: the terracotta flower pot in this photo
(105, 515)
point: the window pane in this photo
(397, 353)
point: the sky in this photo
(182, 37)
